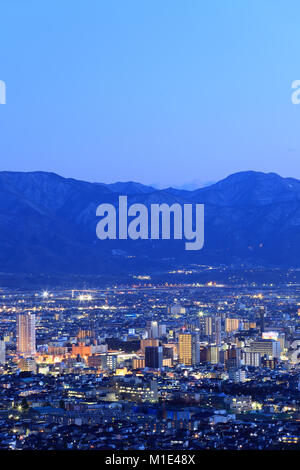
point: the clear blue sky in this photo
(156, 91)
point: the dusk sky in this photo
(160, 92)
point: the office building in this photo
(266, 347)
(154, 357)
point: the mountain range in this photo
(48, 224)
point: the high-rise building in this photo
(173, 347)
(262, 319)
(204, 355)
(231, 324)
(2, 352)
(211, 327)
(251, 358)
(154, 357)
(189, 349)
(110, 361)
(152, 329)
(26, 334)
(162, 330)
(266, 347)
(213, 353)
(148, 342)
(233, 357)
(168, 353)
(155, 329)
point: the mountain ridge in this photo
(48, 223)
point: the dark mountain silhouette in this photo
(48, 223)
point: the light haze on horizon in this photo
(165, 93)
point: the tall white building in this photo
(251, 358)
(211, 327)
(155, 329)
(26, 334)
(2, 352)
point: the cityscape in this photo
(177, 365)
(149, 231)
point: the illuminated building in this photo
(167, 362)
(138, 392)
(103, 361)
(81, 349)
(251, 358)
(266, 347)
(2, 352)
(138, 363)
(275, 335)
(26, 334)
(189, 350)
(240, 404)
(27, 365)
(84, 334)
(152, 329)
(236, 375)
(231, 324)
(177, 310)
(155, 329)
(271, 363)
(270, 335)
(211, 327)
(213, 354)
(148, 342)
(110, 361)
(57, 350)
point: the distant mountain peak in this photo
(48, 222)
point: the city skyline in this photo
(153, 365)
(149, 229)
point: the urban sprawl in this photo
(149, 365)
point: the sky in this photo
(161, 92)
